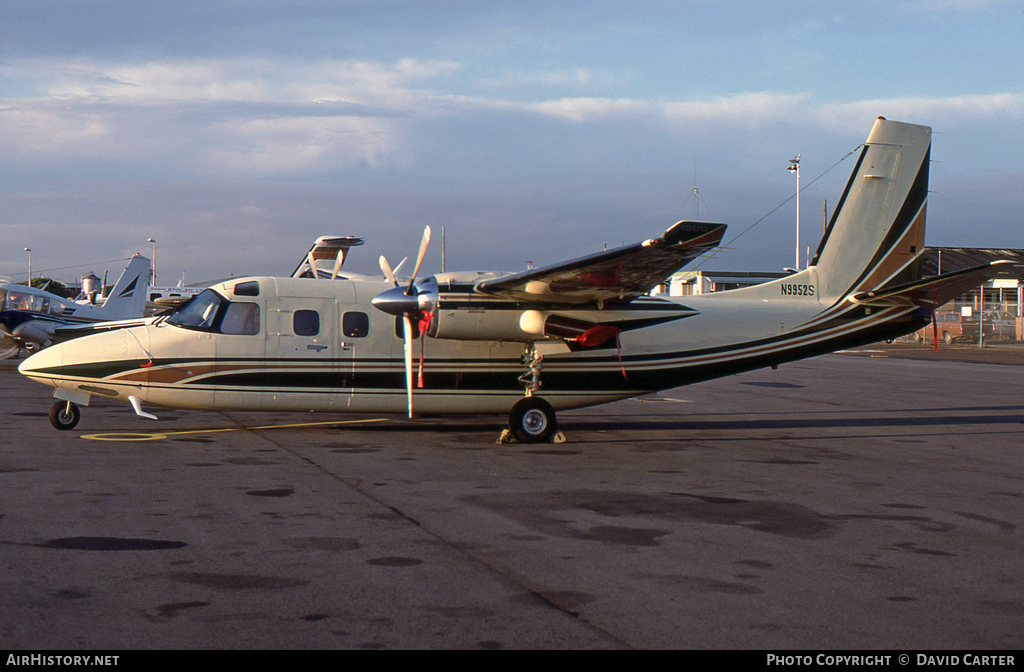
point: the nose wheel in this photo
(64, 415)
(532, 420)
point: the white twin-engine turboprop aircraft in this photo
(571, 335)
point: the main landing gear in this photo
(64, 415)
(532, 420)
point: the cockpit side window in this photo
(241, 318)
(3, 298)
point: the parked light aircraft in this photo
(159, 299)
(332, 249)
(34, 318)
(575, 334)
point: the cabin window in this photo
(355, 324)
(306, 323)
(251, 288)
(241, 318)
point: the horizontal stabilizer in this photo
(933, 292)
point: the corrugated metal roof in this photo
(959, 258)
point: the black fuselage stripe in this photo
(556, 379)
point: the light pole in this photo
(29, 250)
(794, 167)
(151, 240)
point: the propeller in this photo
(407, 303)
(385, 268)
(9, 345)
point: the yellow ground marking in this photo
(154, 436)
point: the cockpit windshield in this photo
(23, 300)
(199, 312)
(209, 311)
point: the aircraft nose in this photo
(94, 356)
(47, 361)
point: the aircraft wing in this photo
(934, 292)
(63, 333)
(621, 274)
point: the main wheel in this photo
(532, 420)
(64, 415)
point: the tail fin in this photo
(128, 297)
(876, 236)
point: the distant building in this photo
(688, 283)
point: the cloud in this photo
(32, 128)
(935, 111)
(301, 143)
(250, 115)
(240, 115)
(187, 150)
(766, 108)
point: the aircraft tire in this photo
(64, 415)
(532, 420)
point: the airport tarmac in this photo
(863, 500)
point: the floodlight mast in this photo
(794, 167)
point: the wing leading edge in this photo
(619, 275)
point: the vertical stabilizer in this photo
(876, 235)
(128, 297)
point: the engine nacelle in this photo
(480, 324)
(30, 332)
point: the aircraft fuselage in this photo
(320, 346)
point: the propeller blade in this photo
(407, 326)
(399, 267)
(388, 273)
(338, 261)
(419, 257)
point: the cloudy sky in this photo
(234, 133)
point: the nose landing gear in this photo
(64, 415)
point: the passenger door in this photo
(306, 365)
